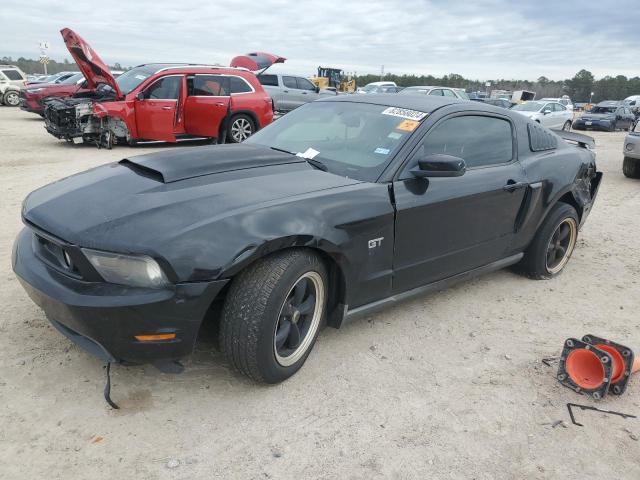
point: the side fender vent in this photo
(540, 139)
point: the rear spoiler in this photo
(583, 141)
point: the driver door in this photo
(450, 225)
(157, 110)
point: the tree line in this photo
(579, 87)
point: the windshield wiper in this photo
(314, 163)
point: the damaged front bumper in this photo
(105, 318)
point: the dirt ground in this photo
(447, 386)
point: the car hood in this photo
(89, 63)
(256, 61)
(144, 202)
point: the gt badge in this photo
(376, 242)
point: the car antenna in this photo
(107, 388)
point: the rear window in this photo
(238, 85)
(12, 74)
(270, 80)
(208, 86)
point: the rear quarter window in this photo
(12, 74)
(269, 80)
(540, 139)
(239, 85)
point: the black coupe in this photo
(343, 206)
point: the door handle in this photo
(167, 108)
(304, 93)
(220, 104)
(512, 186)
(285, 91)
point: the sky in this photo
(484, 39)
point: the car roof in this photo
(189, 66)
(422, 103)
(608, 103)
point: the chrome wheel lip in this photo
(10, 96)
(298, 353)
(573, 234)
(241, 129)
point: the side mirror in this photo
(140, 96)
(317, 89)
(440, 165)
(546, 111)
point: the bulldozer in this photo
(334, 79)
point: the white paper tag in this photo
(310, 153)
(77, 140)
(405, 113)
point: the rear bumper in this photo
(594, 125)
(104, 318)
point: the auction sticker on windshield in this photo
(407, 125)
(405, 113)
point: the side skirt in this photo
(431, 287)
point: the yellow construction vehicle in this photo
(334, 79)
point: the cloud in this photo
(482, 39)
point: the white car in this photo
(439, 91)
(549, 114)
(564, 100)
(11, 79)
(376, 87)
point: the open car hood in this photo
(89, 63)
(256, 61)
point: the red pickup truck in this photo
(164, 102)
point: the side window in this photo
(559, 108)
(167, 88)
(436, 91)
(270, 80)
(209, 86)
(479, 140)
(449, 93)
(304, 84)
(12, 74)
(239, 85)
(290, 82)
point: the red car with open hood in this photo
(161, 101)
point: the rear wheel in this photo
(11, 98)
(631, 167)
(567, 126)
(273, 313)
(241, 127)
(553, 244)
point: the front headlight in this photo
(132, 270)
(34, 90)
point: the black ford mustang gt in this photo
(340, 207)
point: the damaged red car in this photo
(162, 102)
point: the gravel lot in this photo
(449, 385)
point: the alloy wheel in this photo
(241, 129)
(561, 245)
(299, 319)
(12, 99)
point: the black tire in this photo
(631, 167)
(567, 126)
(536, 262)
(254, 315)
(241, 127)
(11, 98)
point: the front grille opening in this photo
(56, 255)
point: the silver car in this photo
(288, 92)
(549, 114)
(438, 91)
(11, 79)
(631, 152)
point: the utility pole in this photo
(381, 72)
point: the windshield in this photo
(72, 79)
(370, 88)
(603, 110)
(528, 107)
(134, 77)
(414, 90)
(462, 93)
(355, 140)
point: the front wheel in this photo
(631, 167)
(241, 127)
(11, 98)
(553, 243)
(567, 126)
(273, 313)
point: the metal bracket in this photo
(595, 409)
